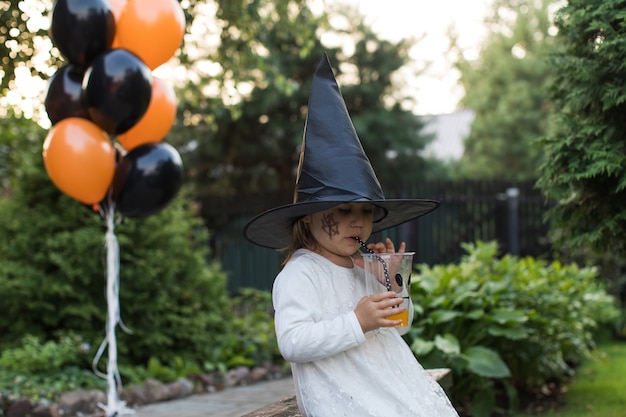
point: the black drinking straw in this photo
(382, 261)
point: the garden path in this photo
(232, 402)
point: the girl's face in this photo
(335, 230)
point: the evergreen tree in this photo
(585, 169)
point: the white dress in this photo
(338, 370)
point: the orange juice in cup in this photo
(404, 316)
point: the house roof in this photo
(450, 131)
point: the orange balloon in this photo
(151, 29)
(158, 119)
(117, 6)
(79, 159)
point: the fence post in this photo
(512, 198)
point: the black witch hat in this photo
(333, 170)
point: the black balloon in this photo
(117, 90)
(64, 95)
(82, 29)
(147, 179)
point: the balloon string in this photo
(114, 407)
(104, 212)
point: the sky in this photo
(436, 91)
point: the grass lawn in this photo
(599, 387)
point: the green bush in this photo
(45, 370)
(252, 340)
(249, 341)
(52, 276)
(34, 357)
(505, 324)
(169, 371)
(173, 298)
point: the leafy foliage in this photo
(585, 171)
(52, 275)
(505, 87)
(241, 127)
(168, 371)
(253, 340)
(469, 315)
(172, 297)
(20, 149)
(35, 357)
(45, 370)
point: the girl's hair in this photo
(301, 237)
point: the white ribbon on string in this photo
(114, 406)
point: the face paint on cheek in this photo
(329, 225)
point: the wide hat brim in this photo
(273, 228)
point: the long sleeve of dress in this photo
(303, 331)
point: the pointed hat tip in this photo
(331, 148)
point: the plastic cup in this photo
(393, 272)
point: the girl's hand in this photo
(386, 247)
(380, 247)
(371, 311)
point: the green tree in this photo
(243, 100)
(585, 169)
(505, 87)
(244, 136)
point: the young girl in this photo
(331, 318)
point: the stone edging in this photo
(84, 402)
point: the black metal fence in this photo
(508, 212)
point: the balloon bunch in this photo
(109, 117)
(109, 113)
